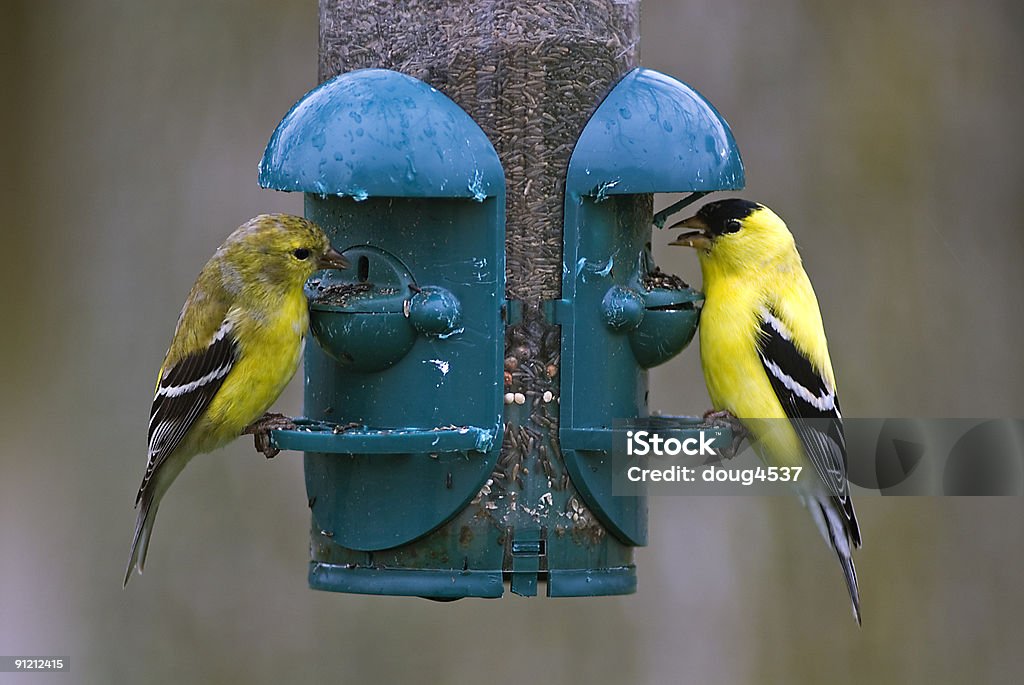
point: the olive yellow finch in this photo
(765, 358)
(236, 345)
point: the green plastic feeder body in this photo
(651, 134)
(408, 341)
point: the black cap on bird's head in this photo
(714, 220)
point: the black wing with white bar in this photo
(184, 391)
(808, 400)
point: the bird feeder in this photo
(619, 314)
(403, 399)
(405, 405)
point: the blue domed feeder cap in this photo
(380, 133)
(654, 134)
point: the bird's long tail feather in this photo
(143, 529)
(838, 525)
(152, 491)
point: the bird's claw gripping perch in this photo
(260, 431)
(725, 419)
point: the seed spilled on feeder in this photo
(339, 294)
(657, 278)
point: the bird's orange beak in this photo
(698, 239)
(332, 259)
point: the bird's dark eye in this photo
(732, 226)
(301, 253)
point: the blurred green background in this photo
(887, 134)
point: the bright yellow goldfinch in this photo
(236, 346)
(764, 355)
